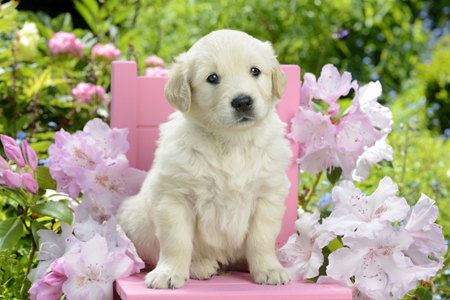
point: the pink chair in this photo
(138, 104)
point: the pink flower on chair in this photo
(157, 72)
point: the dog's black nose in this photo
(242, 103)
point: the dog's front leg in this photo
(175, 229)
(264, 229)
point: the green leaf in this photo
(334, 245)
(44, 179)
(92, 5)
(41, 147)
(14, 194)
(58, 210)
(334, 175)
(10, 232)
(423, 294)
(45, 32)
(86, 14)
(386, 163)
(35, 227)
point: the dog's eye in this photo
(255, 72)
(213, 78)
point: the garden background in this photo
(403, 44)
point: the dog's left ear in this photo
(279, 80)
(178, 89)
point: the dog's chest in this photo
(226, 195)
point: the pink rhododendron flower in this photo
(331, 86)
(157, 72)
(93, 270)
(351, 141)
(316, 159)
(154, 61)
(124, 245)
(65, 42)
(428, 237)
(12, 150)
(13, 180)
(113, 142)
(30, 156)
(358, 214)
(29, 183)
(302, 254)
(378, 263)
(99, 207)
(108, 52)
(88, 92)
(372, 155)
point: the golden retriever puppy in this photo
(214, 197)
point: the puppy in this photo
(215, 195)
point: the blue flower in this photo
(325, 182)
(19, 142)
(447, 272)
(21, 135)
(447, 132)
(436, 106)
(325, 200)
(43, 161)
(51, 124)
(415, 185)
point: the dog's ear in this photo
(178, 90)
(279, 80)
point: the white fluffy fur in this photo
(216, 190)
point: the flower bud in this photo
(13, 180)
(29, 184)
(7, 140)
(14, 154)
(4, 164)
(30, 155)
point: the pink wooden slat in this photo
(238, 285)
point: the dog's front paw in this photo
(271, 276)
(164, 278)
(203, 269)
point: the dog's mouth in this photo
(245, 118)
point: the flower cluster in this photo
(94, 161)
(27, 41)
(65, 42)
(154, 61)
(88, 92)
(355, 140)
(156, 65)
(83, 261)
(390, 246)
(23, 175)
(107, 52)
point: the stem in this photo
(13, 100)
(31, 256)
(322, 56)
(311, 191)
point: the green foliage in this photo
(10, 232)
(57, 210)
(11, 274)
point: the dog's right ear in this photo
(178, 90)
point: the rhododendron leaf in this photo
(423, 294)
(334, 175)
(44, 179)
(386, 163)
(334, 245)
(58, 210)
(35, 226)
(10, 232)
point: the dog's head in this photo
(228, 79)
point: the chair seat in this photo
(236, 286)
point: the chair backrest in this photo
(138, 104)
